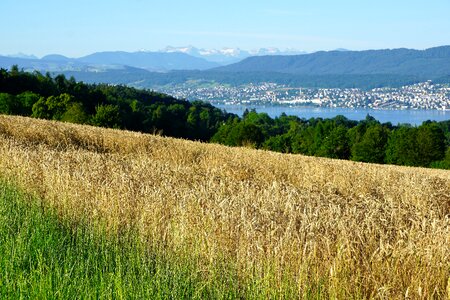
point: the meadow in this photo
(210, 221)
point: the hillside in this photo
(333, 69)
(115, 106)
(268, 225)
(430, 63)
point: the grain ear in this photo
(284, 221)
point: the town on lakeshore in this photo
(425, 95)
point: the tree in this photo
(160, 117)
(279, 143)
(320, 132)
(401, 148)
(262, 120)
(14, 70)
(430, 144)
(107, 116)
(53, 107)
(443, 164)
(302, 138)
(8, 104)
(224, 130)
(176, 120)
(40, 109)
(416, 146)
(356, 134)
(26, 101)
(372, 146)
(335, 144)
(61, 83)
(247, 135)
(75, 114)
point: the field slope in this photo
(275, 225)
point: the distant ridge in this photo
(432, 63)
(100, 61)
(332, 69)
(56, 58)
(149, 60)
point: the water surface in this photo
(413, 117)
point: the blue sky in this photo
(76, 28)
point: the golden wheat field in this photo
(357, 230)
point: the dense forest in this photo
(117, 106)
(368, 140)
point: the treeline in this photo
(367, 141)
(116, 106)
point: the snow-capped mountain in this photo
(22, 55)
(222, 56)
(275, 51)
(228, 55)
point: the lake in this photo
(413, 117)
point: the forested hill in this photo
(58, 98)
(431, 63)
(116, 106)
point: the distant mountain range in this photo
(170, 58)
(338, 68)
(100, 61)
(23, 55)
(429, 63)
(226, 56)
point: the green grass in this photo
(42, 257)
